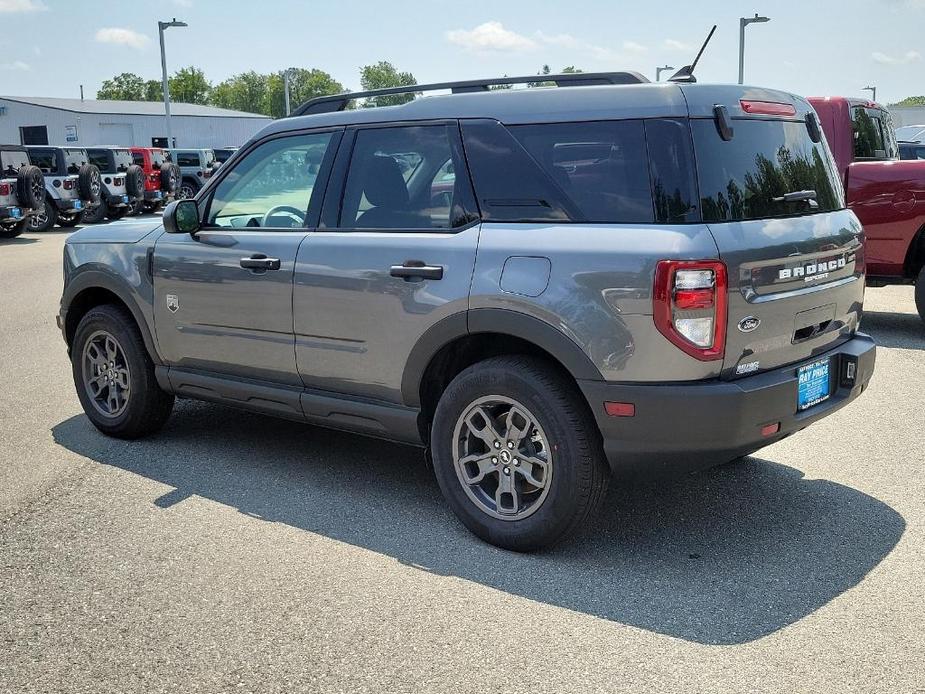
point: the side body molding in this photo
(493, 320)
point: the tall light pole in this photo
(873, 92)
(161, 26)
(660, 70)
(286, 73)
(744, 22)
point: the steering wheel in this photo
(288, 209)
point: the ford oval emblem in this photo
(748, 324)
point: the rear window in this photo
(99, 159)
(740, 178)
(12, 162)
(74, 159)
(873, 134)
(123, 159)
(45, 160)
(138, 159)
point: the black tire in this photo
(170, 178)
(11, 231)
(188, 188)
(66, 221)
(115, 213)
(147, 407)
(89, 183)
(137, 207)
(135, 182)
(45, 219)
(30, 187)
(920, 294)
(579, 471)
(96, 214)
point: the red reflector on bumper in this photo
(620, 409)
(770, 429)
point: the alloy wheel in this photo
(106, 374)
(37, 221)
(502, 457)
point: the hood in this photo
(115, 232)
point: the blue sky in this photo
(49, 48)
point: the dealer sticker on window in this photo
(813, 384)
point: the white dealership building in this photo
(87, 122)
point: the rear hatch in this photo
(772, 198)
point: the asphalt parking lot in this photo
(236, 553)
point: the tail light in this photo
(767, 108)
(70, 183)
(5, 189)
(689, 306)
(118, 181)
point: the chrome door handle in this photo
(259, 261)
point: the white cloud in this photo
(905, 58)
(675, 45)
(490, 36)
(120, 36)
(15, 66)
(22, 6)
(633, 47)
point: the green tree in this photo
(247, 91)
(190, 86)
(153, 90)
(381, 76)
(125, 87)
(911, 101)
(303, 85)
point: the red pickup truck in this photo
(887, 195)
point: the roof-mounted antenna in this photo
(686, 73)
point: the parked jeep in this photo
(72, 185)
(22, 190)
(624, 275)
(197, 167)
(123, 183)
(223, 154)
(162, 178)
(887, 194)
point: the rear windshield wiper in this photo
(798, 196)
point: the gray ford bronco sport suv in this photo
(541, 286)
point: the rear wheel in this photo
(10, 231)
(920, 293)
(70, 219)
(45, 218)
(117, 212)
(96, 214)
(114, 375)
(188, 189)
(516, 453)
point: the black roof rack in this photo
(338, 102)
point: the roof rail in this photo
(338, 102)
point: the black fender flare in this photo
(493, 320)
(96, 279)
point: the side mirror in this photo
(181, 217)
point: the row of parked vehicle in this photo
(41, 186)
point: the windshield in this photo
(746, 177)
(12, 162)
(874, 137)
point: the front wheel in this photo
(117, 212)
(920, 293)
(114, 375)
(96, 213)
(72, 219)
(516, 453)
(11, 231)
(44, 219)
(188, 189)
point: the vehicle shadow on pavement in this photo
(721, 557)
(901, 330)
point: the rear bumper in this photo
(683, 427)
(74, 205)
(12, 212)
(118, 200)
(155, 196)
